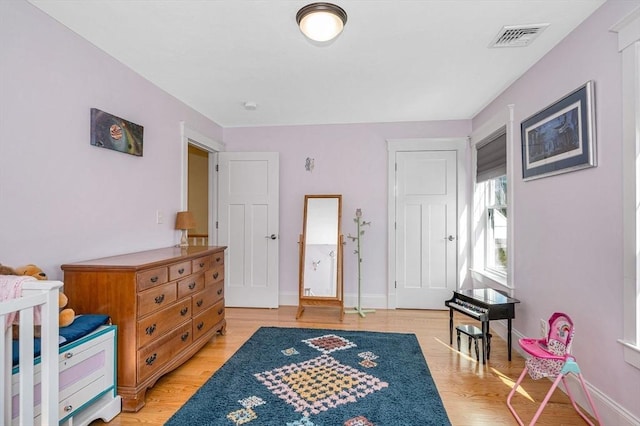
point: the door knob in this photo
(451, 238)
(272, 236)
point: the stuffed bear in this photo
(7, 270)
(66, 315)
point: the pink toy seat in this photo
(535, 347)
(550, 357)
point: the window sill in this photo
(487, 279)
(631, 353)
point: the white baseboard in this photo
(376, 301)
(288, 299)
(610, 412)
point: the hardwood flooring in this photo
(472, 393)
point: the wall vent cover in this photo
(517, 35)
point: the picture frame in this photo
(560, 138)
(112, 132)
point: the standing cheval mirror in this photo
(320, 266)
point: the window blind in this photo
(492, 156)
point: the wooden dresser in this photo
(167, 304)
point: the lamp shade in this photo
(321, 21)
(185, 220)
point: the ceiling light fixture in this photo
(321, 21)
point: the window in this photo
(490, 253)
(496, 228)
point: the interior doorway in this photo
(198, 194)
(427, 233)
(199, 184)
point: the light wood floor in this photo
(473, 394)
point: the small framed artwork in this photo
(118, 134)
(561, 138)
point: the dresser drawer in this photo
(151, 278)
(217, 259)
(156, 298)
(205, 321)
(203, 301)
(214, 275)
(160, 323)
(201, 264)
(67, 406)
(217, 290)
(162, 351)
(191, 285)
(179, 270)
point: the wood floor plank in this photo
(473, 394)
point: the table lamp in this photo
(185, 221)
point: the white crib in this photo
(45, 295)
(77, 381)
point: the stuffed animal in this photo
(66, 315)
(7, 270)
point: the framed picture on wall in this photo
(118, 134)
(561, 138)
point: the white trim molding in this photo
(190, 136)
(628, 30)
(480, 277)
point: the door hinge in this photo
(395, 284)
(216, 224)
(217, 168)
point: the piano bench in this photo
(476, 334)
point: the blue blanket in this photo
(81, 326)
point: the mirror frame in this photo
(336, 300)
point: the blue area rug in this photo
(307, 377)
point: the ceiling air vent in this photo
(517, 35)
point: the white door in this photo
(248, 226)
(426, 228)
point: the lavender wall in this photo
(350, 160)
(62, 199)
(568, 228)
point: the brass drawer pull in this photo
(184, 311)
(181, 271)
(219, 292)
(154, 279)
(159, 299)
(149, 330)
(215, 275)
(201, 264)
(192, 285)
(199, 303)
(220, 311)
(217, 259)
(185, 336)
(150, 360)
(200, 326)
(68, 408)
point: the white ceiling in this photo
(397, 60)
